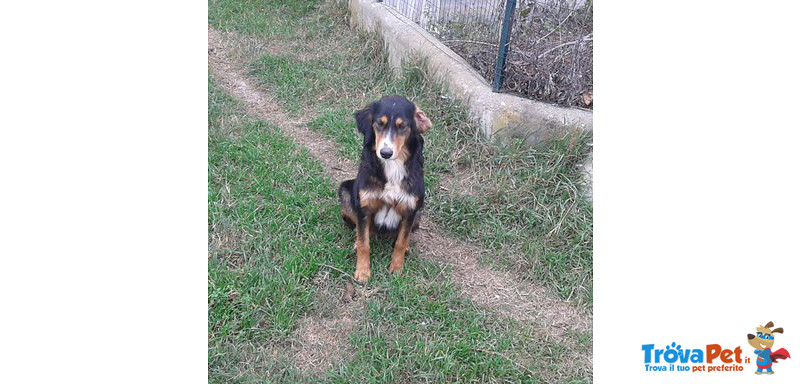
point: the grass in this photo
(248, 16)
(526, 205)
(263, 234)
(423, 332)
(273, 218)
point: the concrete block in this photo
(499, 115)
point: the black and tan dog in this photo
(389, 191)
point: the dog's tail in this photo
(346, 201)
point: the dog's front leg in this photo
(362, 248)
(401, 245)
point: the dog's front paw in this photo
(362, 275)
(396, 267)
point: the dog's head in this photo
(389, 123)
(764, 337)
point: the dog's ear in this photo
(777, 330)
(423, 122)
(364, 120)
(769, 325)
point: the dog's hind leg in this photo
(417, 218)
(346, 201)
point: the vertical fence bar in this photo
(499, 72)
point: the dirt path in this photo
(509, 296)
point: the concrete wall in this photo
(499, 115)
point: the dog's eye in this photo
(760, 334)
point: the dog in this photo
(389, 191)
(763, 341)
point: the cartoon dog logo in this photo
(762, 341)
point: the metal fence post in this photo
(499, 72)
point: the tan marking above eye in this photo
(398, 122)
(384, 120)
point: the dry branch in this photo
(585, 38)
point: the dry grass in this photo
(322, 340)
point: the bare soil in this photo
(321, 340)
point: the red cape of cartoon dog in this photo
(779, 354)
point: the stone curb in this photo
(499, 115)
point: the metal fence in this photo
(540, 49)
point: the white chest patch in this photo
(395, 171)
(387, 218)
(393, 193)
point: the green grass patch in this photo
(289, 78)
(273, 217)
(423, 332)
(527, 206)
(249, 16)
(337, 123)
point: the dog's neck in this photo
(395, 171)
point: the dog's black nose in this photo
(750, 336)
(386, 152)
